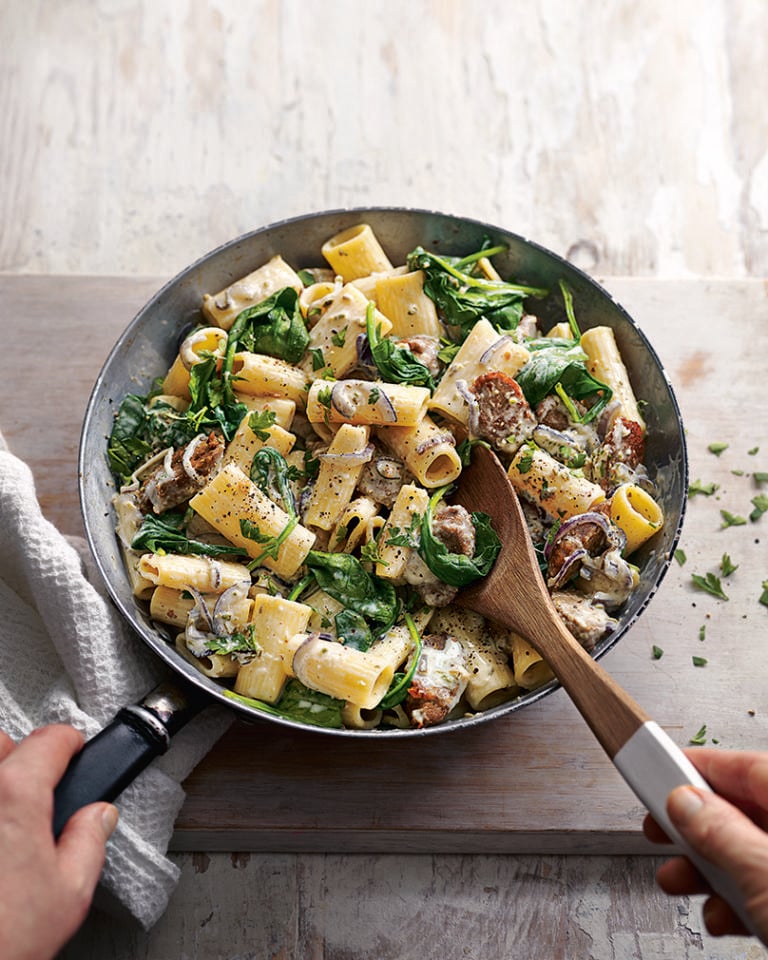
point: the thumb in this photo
(81, 847)
(726, 837)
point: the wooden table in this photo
(535, 782)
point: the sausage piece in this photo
(505, 418)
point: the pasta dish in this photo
(284, 503)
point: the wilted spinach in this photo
(454, 568)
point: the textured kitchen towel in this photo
(68, 656)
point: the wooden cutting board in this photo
(534, 782)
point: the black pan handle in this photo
(117, 754)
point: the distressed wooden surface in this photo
(534, 783)
(134, 136)
(137, 135)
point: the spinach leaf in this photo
(454, 568)
(344, 578)
(275, 327)
(141, 430)
(299, 703)
(401, 681)
(395, 364)
(561, 368)
(463, 299)
(165, 534)
(213, 405)
(271, 474)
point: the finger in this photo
(653, 831)
(720, 920)
(723, 835)
(678, 877)
(81, 847)
(42, 757)
(739, 775)
(7, 746)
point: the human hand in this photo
(45, 887)
(728, 828)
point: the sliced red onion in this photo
(435, 441)
(348, 395)
(567, 570)
(200, 609)
(553, 441)
(364, 355)
(485, 358)
(614, 535)
(186, 458)
(613, 577)
(389, 468)
(349, 459)
(473, 423)
(224, 607)
(187, 352)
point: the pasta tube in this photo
(231, 498)
(530, 669)
(336, 670)
(557, 490)
(333, 339)
(340, 469)
(604, 362)
(401, 298)
(408, 508)
(482, 352)
(355, 252)
(222, 308)
(245, 443)
(201, 573)
(428, 451)
(262, 376)
(366, 402)
(637, 513)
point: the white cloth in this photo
(67, 655)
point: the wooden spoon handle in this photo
(653, 765)
(650, 761)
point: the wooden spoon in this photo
(514, 594)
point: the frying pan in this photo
(142, 731)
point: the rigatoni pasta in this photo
(307, 438)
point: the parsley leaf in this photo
(709, 584)
(717, 448)
(656, 652)
(700, 738)
(707, 489)
(680, 557)
(764, 595)
(260, 421)
(727, 567)
(731, 519)
(760, 503)
(699, 661)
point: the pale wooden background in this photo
(631, 136)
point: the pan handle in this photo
(117, 754)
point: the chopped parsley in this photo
(699, 661)
(731, 519)
(727, 566)
(680, 557)
(318, 360)
(760, 503)
(656, 652)
(700, 738)
(717, 448)
(707, 489)
(764, 595)
(709, 584)
(260, 421)
(760, 477)
(338, 338)
(702, 631)
(753, 451)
